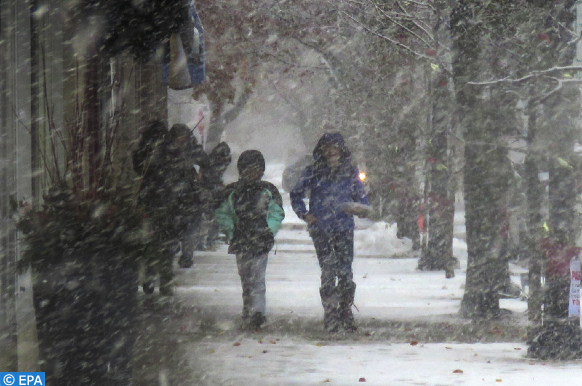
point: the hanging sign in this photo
(201, 126)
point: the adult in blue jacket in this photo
(330, 183)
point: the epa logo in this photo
(21, 379)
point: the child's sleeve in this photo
(225, 216)
(275, 212)
(298, 193)
(275, 216)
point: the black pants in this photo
(161, 262)
(188, 241)
(335, 253)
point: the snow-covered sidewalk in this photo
(410, 333)
(298, 362)
(293, 349)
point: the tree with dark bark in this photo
(553, 335)
(485, 172)
(438, 254)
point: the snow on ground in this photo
(388, 288)
(296, 362)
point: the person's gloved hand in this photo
(310, 219)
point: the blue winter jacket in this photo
(328, 188)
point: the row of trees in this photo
(429, 93)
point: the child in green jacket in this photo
(250, 217)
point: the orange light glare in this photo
(362, 176)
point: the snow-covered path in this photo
(292, 349)
(409, 332)
(288, 361)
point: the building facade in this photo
(50, 84)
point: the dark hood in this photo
(154, 131)
(250, 158)
(333, 139)
(220, 155)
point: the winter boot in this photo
(184, 262)
(166, 273)
(148, 286)
(186, 257)
(346, 317)
(329, 300)
(166, 284)
(167, 290)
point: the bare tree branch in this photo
(416, 20)
(531, 75)
(388, 39)
(413, 33)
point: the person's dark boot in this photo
(148, 287)
(329, 300)
(346, 317)
(166, 285)
(167, 290)
(186, 257)
(185, 263)
(148, 284)
(330, 320)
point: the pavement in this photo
(389, 287)
(394, 303)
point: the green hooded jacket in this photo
(251, 216)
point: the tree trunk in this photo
(562, 109)
(484, 218)
(220, 119)
(439, 254)
(534, 194)
(559, 337)
(479, 298)
(486, 171)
